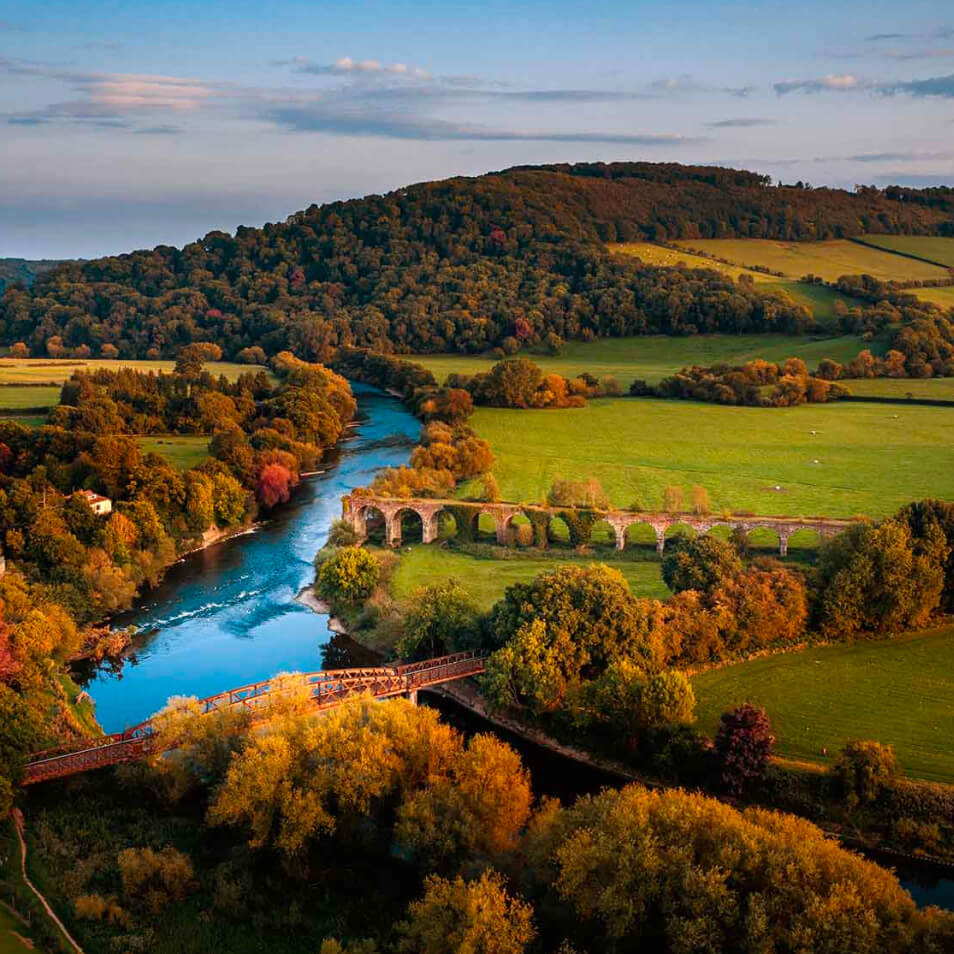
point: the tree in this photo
(308, 778)
(252, 355)
(477, 811)
(744, 744)
(578, 493)
(438, 619)
(190, 360)
(699, 563)
(512, 383)
(700, 500)
(350, 575)
(672, 499)
(673, 871)
(274, 485)
(229, 500)
(881, 578)
(19, 350)
(461, 917)
(864, 770)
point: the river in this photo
(228, 615)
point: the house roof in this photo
(91, 496)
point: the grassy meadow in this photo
(829, 260)
(943, 296)
(653, 357)
(928, 248)
(182, 451)
(818, 299)
(871, 459)
(56, 371)
(485, 578)
(896, 691)
(28, 396)
(934, 389)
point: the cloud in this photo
(346, 66)
(399, 102)
(934, 86)
(917, 54)
(742, 123)
(739, 91)
(901, 157)
(841, 82)
(163, 130)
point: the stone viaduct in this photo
(360, 508)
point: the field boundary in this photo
(860, 240)
(874, 399)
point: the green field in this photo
(899, 691)
(28, 396)
(486, 579)
(183, 452)
(872, 458)
(935, 389)
(47, 370)
(654, 356)
(929, 248)
(818, 299)
(829, 260)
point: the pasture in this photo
(816, 298)
(838, 460)
(28, 397)
(828, 260)
(943, 296)
(933, 389)
(182, 451)
(53, 371)
(928, 248)
(898, 691)
(485, 578)
(653, 357)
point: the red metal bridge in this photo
(326, 689)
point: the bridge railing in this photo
(325, 688)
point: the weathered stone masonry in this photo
(359, 507)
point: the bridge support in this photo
(412, 697)
(660, 539)
(783, 543)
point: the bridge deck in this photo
(327, 688)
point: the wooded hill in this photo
(461, 264)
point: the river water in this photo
(227, 615)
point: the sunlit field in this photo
(840, 459)
(829, 260)
(928, 248)
(899, 692)
(653, 357)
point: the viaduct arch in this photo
(359, 506)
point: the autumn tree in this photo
(699, 563)
(467, 917)
(274, 485)
(864, 769)
(744, 743)
(350, 575)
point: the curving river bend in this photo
(227, 616)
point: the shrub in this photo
(154, 878)
(699, 563)
(523, 535)
(350, 576)
(864, 769)
(438, 619)
(342, 534)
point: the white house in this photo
(99, 504)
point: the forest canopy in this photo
(458, 265)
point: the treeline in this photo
(69, 566)
(459, 265)
(477, 865)
(922, 349)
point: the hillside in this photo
(459, 265)
(23, 270)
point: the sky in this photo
(130, 124)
